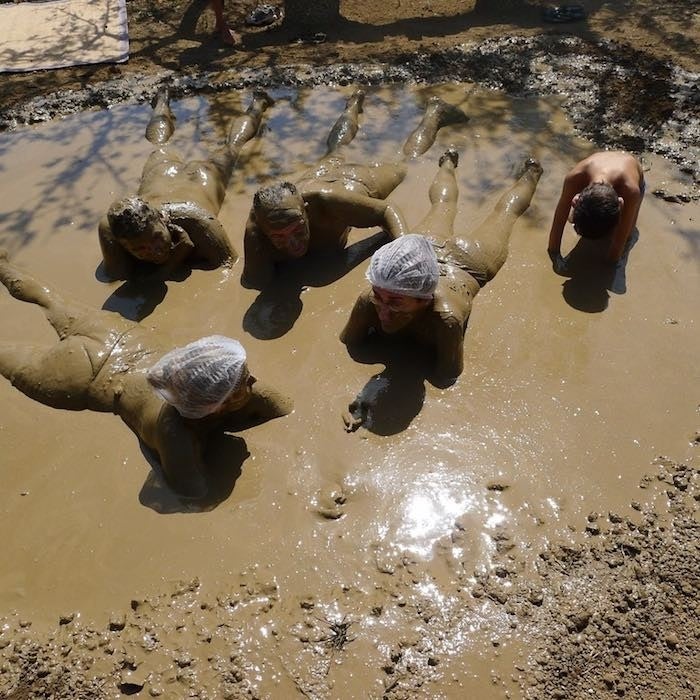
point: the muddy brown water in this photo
(569, 389)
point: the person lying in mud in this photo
(601, 197)
(172, 217)
(423, 285)
(316, 213)
(102, 362)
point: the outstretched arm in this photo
(363, 212)
(631, 200)
(118, 264)
(258, 265)
(572, 185)
(363, 317)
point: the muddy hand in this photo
(355, 416)
(558, 262)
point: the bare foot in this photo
(531, 166)
(228, 36)
(262, 96)
(446, 113)
(450, 155)
(357, 97)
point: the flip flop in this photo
(262, 15)
(564, 13)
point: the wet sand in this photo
(569, 392)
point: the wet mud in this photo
(486, 540)
(600, 86)
(611, 613)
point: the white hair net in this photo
(199, 377)
(407, 266)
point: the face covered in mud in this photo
(396, 311)
(238, 398)
(153, 246)
(286, 224)
(140, 230)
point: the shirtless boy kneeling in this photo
(601, 197)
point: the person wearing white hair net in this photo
(315, 214)
(422, 286)
(104, 362)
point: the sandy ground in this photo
(515, 536)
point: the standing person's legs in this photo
(242, 130)
(438, 223)
(228, 36)
(488, 244)
(438, 113)
(345, 127)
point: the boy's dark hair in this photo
(269, 198)
(131, 217)
(597, 211)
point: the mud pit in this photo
(431, 555)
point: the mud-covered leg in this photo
(443, 193)
(493, 234)
(57, 376)
(162, 122)
(242, 130)
(345, 128)
(61, 314)
(438, 113)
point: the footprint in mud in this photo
(330, 502)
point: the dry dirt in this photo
(613, 611)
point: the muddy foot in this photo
(531, 166)
(262, 96)
(446, 113)
(161, 100)
(451, 155)
(358, 98)
(162, 124)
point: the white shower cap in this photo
(197, 378)
(407, 266)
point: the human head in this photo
(280, 212)
(140, 229)
(403, 275)
(596, 210)
(207, 376)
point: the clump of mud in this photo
(617, 615)
(613, 613)
(615, 95)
